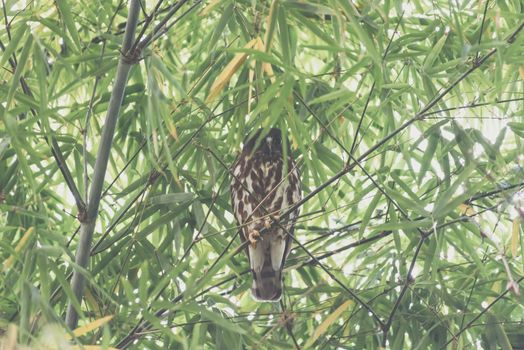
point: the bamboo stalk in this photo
(127, 59)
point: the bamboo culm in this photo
(88, 224)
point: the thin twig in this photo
(287, 323)
(482, 26)
(407, 281)
(486, 309)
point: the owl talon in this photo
(268, 222)
(253, 238)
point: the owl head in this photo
(269, 145)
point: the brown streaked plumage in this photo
(259, 194)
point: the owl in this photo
(264, 186)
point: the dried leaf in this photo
(80, 331)
(233, 66)
(521, 72)
(9, 262)
(93, 347)
(465, 209)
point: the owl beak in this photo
(270, 147)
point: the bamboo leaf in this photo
(18, 248)
(67, 17)
(363, 36)
(328, 321)
(93, 347)
(213, 317)
(271, 23)
(517, 128)
(284, 36)
(435, 51)
(224, 77)
(80, 331)
(210, 7)
(221, 25)
(13, 44)
(515, 230)
(443, 205)
(20, 67)
(172, 198)
(429, 153)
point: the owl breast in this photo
(258, 192)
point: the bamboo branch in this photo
(127, 59)
(162, 27)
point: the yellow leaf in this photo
(93, 347)
(295, 143)
(266, 67)
(9, 341)
(327, 322)
(172, 130)
(269, 71)
(465, 209)
(259, 44)
(515, 229)
(209, 7)
(521, 72)
(80, 331)
(9, 262)
(224, 77)
(93, 304)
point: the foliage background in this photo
(416, 245)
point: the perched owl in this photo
(257, 190)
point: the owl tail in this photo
(267, 284)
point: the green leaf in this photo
(20, 67)
(172, 198)
(364, 36)
(15, 41)
(221, 25)
(429, 153)
(67, 17)
(213, 317)
(435, 51)
(517, 128)
(444, 203)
